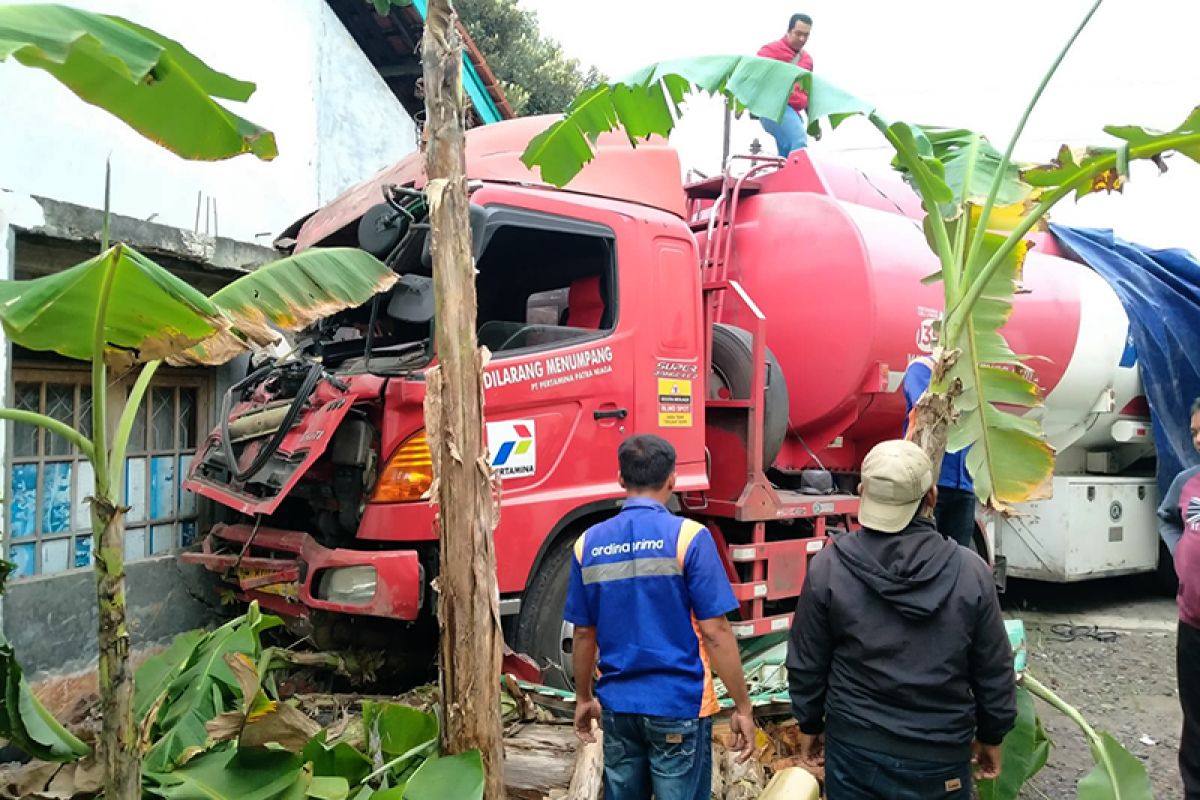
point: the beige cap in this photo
(896, 475)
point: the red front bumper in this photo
(284, 581)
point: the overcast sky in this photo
(945, 62)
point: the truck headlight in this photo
(348, 585)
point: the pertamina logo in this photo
(513, 446)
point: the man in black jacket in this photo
(899, 664)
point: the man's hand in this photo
(986, 758)
(586, 712)
(741, 725)
(812, 749)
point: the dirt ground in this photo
(1125, 686)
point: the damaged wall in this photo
(49, 610)
(51, 620)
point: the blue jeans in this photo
(671, 758)
(852, 773)
(955, 515)
(789, 133)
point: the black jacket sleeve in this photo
(993, 680)
(810, 648)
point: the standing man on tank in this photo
(899, 665)
(1179, 525)
(789, 132)
(955, 511)
(648, 592)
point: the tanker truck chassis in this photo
(760, 321)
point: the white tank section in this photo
(1100, 381)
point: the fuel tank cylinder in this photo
(835, 265)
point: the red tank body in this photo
(836, 268)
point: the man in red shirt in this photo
(789, 133)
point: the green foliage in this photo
(537, 76)
(204, 679)
(1118, 774)
(451, 776)
(152, 315)
(383, 7)
(336, 760)
(234, 774)
(648, 102)
(25, 722)
(398, 733)
(1097, 168)
(289, 294)
(1026, 749)
(201, 686)
(150, 82)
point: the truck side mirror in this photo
(480, 234)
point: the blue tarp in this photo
(1160, 290)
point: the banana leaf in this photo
(288, 295)
(1025, 751)
(201, 689)
(1106, 168)
(148, 81)
(232, 774)
(647, 103)
(459, 776)
(27, 723)
(153, 315)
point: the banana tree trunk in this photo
(118, 737)
(930, 426)
(467, 596)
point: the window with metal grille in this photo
(48, 521)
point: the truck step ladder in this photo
(772, 570)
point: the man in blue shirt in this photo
(648, 594)
(955, 512)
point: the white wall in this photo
(334, 118)
(361, 127)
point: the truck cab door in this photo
(671, 375)
(558, 390)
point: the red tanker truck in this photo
(761, 321)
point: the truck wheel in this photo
(1164, 574)
(541, 631)
(733, 377)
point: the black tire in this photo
(732, 356)
(1165, 577)
(541, 632)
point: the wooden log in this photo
(539, 761)
(588, 780)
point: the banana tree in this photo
(980, 207)
(138, 315)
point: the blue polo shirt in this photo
(643, 579)
(954, 465)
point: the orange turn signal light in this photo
(408, 474)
